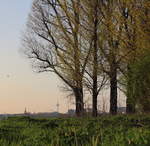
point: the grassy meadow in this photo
(108, 130)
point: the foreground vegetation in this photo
(103, 131)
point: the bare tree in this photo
(94, 78)
(55, 41)
(125, 39)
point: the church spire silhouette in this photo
(57, 105)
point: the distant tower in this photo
(57, 105)
(25, 111)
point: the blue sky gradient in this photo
(20, 87)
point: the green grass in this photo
(121, 130)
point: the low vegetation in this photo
(120, 130)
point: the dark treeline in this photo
(91, 44)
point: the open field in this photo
(118, 130)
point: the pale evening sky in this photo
(20, 87)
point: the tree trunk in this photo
(78, 92)
(130, 109)
(94, 102)
(95, 62)
(113, 89)
(130, 102)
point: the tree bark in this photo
(95, 63)
(94, 104)
(130, 102)
(130, 109)
(113, 88)
(78, 92)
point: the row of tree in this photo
(90, 44)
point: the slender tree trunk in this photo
(130, 108)
(78, 92)
(94, 102)
(95, 62)
(77, 74)
(130, 102)
(113, 88)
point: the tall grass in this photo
(120, 130)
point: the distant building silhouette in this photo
(57, 105)
(25, 112)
